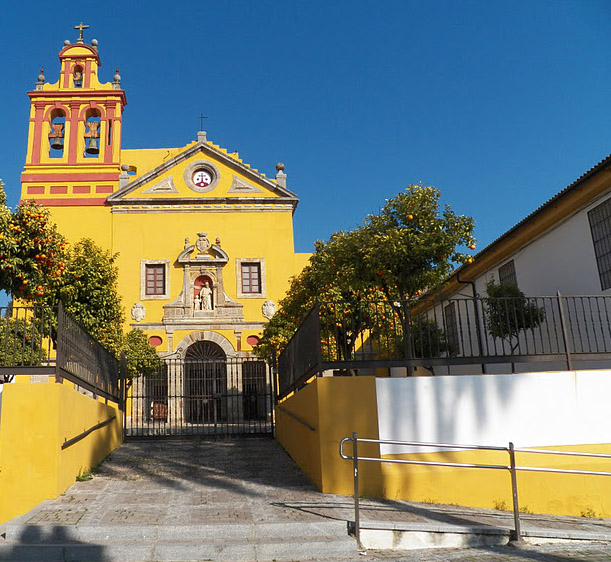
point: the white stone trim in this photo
(166, 294)
(238, 274)
(222, 341)
(240, 186)
(202, 165)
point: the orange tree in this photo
(89, 292)
(37, 267)
(32, 252)
(369, 276)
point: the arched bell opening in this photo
(92, 133)
(205, 380)
(203, 293)
(77, 76)
(57, 133)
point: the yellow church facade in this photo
(204, 241)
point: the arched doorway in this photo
(205, 380)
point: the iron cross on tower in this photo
(80, 27)
(201, 121)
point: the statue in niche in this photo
(206, 293)
(197, 303)
(202, 243)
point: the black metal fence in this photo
(464, 335)
(25, 337)
(39, 340)
(206, 397)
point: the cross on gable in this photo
(80, 27)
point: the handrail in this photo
(296, 418)
(84, 434)
(516, 535)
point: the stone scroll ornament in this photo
(138, 312)
(202, 243)
(268, 309)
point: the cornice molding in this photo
(209, 150)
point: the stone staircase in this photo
(236, 542)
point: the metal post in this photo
(517, 534)
(565, 336)
(355, 463)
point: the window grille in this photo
(600, 227)
(451, 329)
(507, 274)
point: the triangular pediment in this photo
(201, 173)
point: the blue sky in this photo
(499, 104)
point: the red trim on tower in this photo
(103, 189)
(81, 189)
(91, 94)
(89, 177)
(37, 135)
(87, 69)
(74, 105)
(58, 190)
(72, 202)
(35, 190)
(94, 53)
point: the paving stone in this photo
(134, 516)
(221, 514)
(65, 516)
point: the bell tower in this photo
(74, 137)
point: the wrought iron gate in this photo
(202, 396)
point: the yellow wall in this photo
(339, 406)
(335, 407)
(36, 419)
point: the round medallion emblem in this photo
(201, 178)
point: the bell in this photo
(92, 146)
(57, 136)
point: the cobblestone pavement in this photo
(252, 480)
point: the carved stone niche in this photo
(202, 298)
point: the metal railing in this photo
(48, 341)
(25, 336)
(451, 333)
(512, 468)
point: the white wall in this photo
(529, 409)
(561, 259)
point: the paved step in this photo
(232, 542)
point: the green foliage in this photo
(20, 342)
(412, 244)
(89, 292)
(393, 257)
(508, 312)
(428, 339)
(37, 267)
(142, 359)
(32, 252)
(500, 505)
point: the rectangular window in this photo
(451, 329)
(600, 227)
(155, 279)
(251, 278)
(507, 274)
